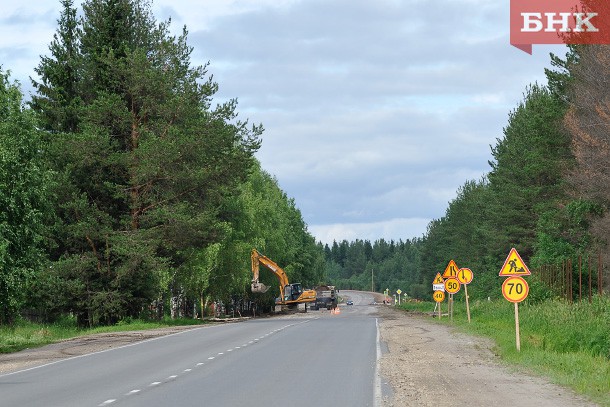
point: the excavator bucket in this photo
(257, 287)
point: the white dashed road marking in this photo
(173, 377)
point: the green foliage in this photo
(385, 265)
(24, 199)
(145, 162)
(57, 99)
(261, 216)
(527, 173)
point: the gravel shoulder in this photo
(430, 364)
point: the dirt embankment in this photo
(12, 362)
(429, 364)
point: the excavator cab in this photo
(292, 291)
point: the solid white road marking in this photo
(377, 374)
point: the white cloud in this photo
(391, 229)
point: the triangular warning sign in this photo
(451, 270)
(514, 265)
(438, 279)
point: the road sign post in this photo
(515, 289)
(452, 286)
(439, 296)
(465, 276)
(438, 286)
(517, 336)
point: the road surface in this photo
(312, 359)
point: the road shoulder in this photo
(430, 364)
(28, 358)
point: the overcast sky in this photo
(375, 111)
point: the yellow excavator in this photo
(291, 295)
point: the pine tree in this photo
(57, 99)
(147, 169)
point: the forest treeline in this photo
(127, 192)
(547, 194)
(123, 187)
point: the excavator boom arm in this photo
(257, 260)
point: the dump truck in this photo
(292, 296)
(326, 297)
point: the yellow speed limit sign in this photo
(515, 289)
(452, 285)
(438, 296)
(464, 276)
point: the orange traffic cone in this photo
(337, 310)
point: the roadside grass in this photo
(24, 334)
(568, 343)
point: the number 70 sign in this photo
(515, 289)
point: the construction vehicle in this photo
(292, 296)
(326, 297)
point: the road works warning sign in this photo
(514, 265)
(451, 270)
(438, 279)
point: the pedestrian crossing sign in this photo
(514, 265)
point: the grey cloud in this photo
(374, 110)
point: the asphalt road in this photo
(313, 359)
